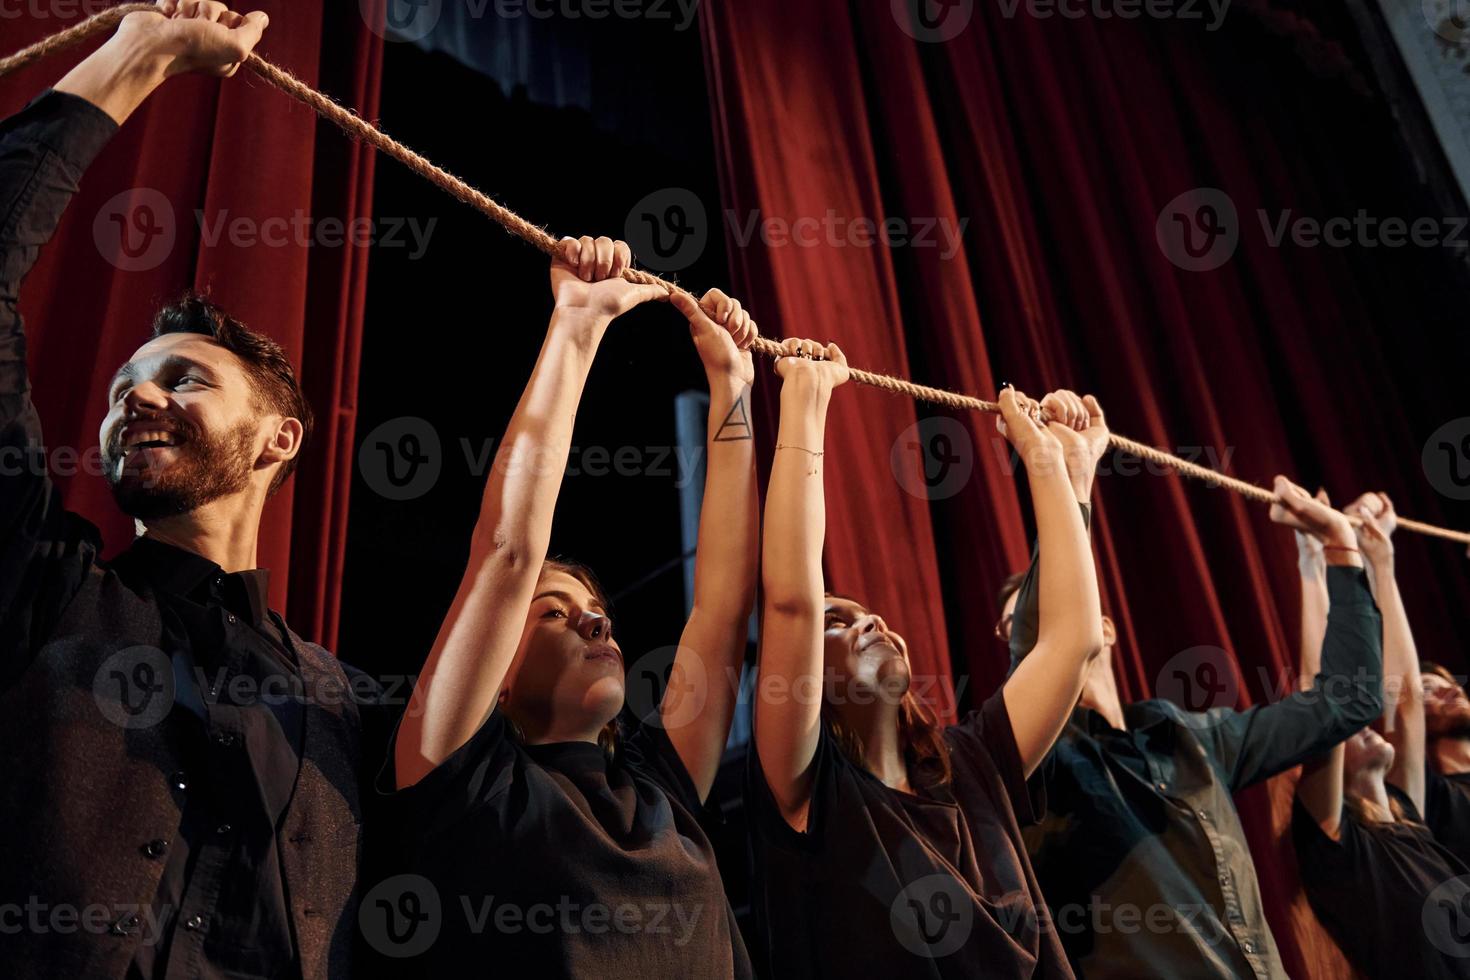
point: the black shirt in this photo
(235, 678)
(1447, 810)
(1396, 901)
(1141, 853)
(216, 681)
(555, 861)
(890, 884)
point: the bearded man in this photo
(182, 771)
(1447, 759)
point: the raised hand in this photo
(1310, 560)
(807, 360)
(1020, 422)
(587, 280)
(197, 35)
(1296, 508)
(1375, 532)
(1079, 425)
(723, 332)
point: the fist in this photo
(587, 278)
(198, 35)
(807, 360)
(1377, 521)
(1298, 509)
(723, 332)
(1020, 422)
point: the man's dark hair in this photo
(1007, 588)
(266, 363)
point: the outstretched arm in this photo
(44, 150)
(712, 646)
(1403, 694)
(1044, 688)
(1321, 778)
(190, 35)
(1284, 724)
(787, 728)
(461, 679)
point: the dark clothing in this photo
(184, 771)
(1141, 854)
(890, 884)
(1447, 810)
(1389, 893)
(554, 861)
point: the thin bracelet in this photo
(814, 455)
(1339, 547)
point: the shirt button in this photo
(194, 923)
(180, 780)
(230, 618)
(1203, 815)
(223, 829)
(1162, 787)
(1248, 946)
(125, 925)
(1224, 877)
(224, 739)
(155, 848)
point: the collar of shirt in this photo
(180, 572)
(1143, 720)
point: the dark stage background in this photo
(1061, 141)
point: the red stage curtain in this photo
(219, 152)
(1061, 140)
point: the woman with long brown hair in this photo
(886, 844)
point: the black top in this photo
(1396, 901)
(1447, 810)
(890, 884)
(554, 861)
(1141, 853)
(220, 679)
(222, 875)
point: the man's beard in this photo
(1447, 721)
(205, 468)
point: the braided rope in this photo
(358, 128)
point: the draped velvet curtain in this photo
(1062, 141)
(226, 185)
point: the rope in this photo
(358, 128)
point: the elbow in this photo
(795, 605)
(1091, 644)
(508, 552)
(1361, 707)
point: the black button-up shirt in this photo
(1141, 854)
(222, 901)
(223, 681)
